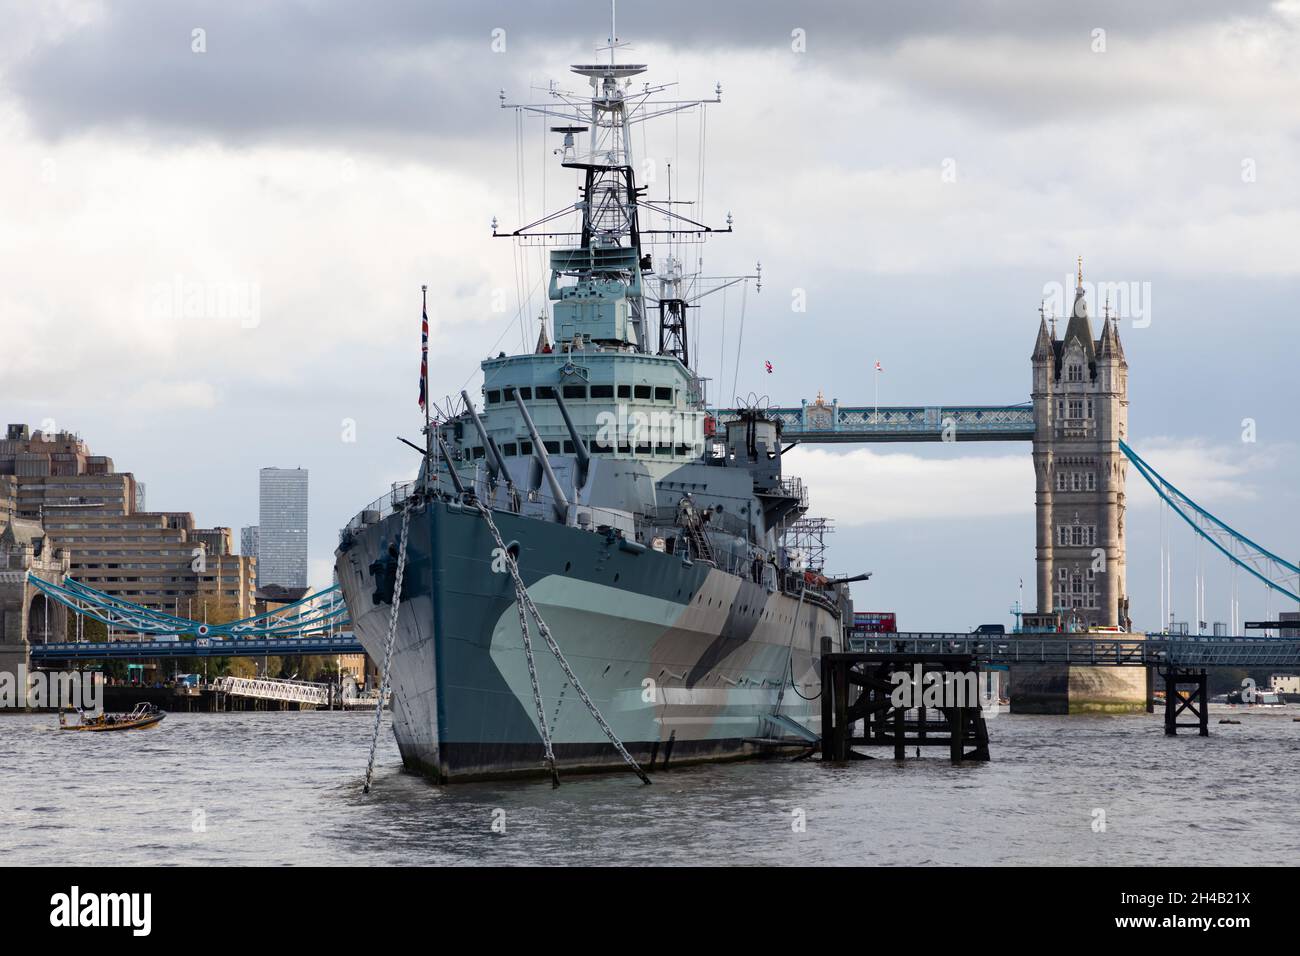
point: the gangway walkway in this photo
(289, 691)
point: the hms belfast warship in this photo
(647, 533)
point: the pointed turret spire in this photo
(1109, 347)
(1079, 326)
(1043, 344)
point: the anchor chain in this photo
(522, 596)
(537, 690)
(388, 644)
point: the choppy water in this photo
(286, 788)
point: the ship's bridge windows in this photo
(526, 393)
(510, 448)
(643, 449)
(568, 447)
(599, 448)
(545, 392)
(493, 397)
(602, 391)
(625, 391)
(575, 391)
(525, 448)
(663, 394)
(641, 391)
(552, 447)
(508, 394)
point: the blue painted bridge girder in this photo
(832, 422)
(1121, 650)
(202, 647)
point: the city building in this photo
(282, 527)
(161, 560)
(248, 540)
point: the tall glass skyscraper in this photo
(282, 527)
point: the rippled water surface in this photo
(285, 788)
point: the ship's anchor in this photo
(524, 601)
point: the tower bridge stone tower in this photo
(1080, 416)
(27, 615)
(1080, 398)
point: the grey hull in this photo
(685, 662)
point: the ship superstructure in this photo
(651, 542)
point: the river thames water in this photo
(285, 788)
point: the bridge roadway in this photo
(1119, 651)
(831, 422)
(201, 647)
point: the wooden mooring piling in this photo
(940, 710)
(1195, 700)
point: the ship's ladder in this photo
(693, 525)
(525, 602)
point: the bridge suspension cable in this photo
(1279, 574)
(324, 610)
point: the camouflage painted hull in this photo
(685, 662)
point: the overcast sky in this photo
(921, 174)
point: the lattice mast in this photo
(598, 280)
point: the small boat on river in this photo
(144, 715)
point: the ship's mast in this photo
(605, 257)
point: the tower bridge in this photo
(1076, 422)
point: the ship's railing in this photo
(381, 507)
(723, 527)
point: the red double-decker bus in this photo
(875, 622)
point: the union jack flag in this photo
(424, 355)
(769, 367)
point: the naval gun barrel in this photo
(579, 446)
(539, 452)
(451, 467)
(489, 446)
(865, 575)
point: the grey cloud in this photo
(406, 69)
